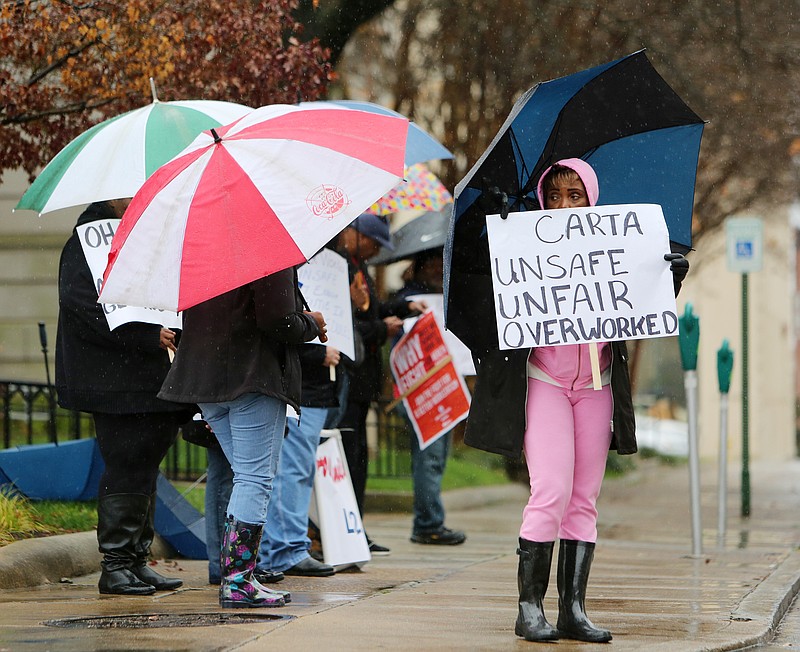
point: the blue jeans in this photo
(250, 431)
(219, 484)
(427, 469)
(285, 541)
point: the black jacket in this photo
(240, 342)
(497, 418)
(97, 369)
(319, 391)
(366, 379)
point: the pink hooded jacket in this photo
(569, 365)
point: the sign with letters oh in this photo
(334, 507)
(573, 275)
(95, 238)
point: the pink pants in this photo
(566, 445)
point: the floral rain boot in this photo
(238, 588)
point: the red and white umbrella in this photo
(250, 199)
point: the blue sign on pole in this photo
(745, 238)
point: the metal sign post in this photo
(689, 340)
(724, 368)
(745, 245)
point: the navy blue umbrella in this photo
(622, 118)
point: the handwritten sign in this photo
(581, 275)
(326, 287)
(434, 393)
(334, 507)
(95, 238)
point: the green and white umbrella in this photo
(114, 158)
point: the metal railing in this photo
(30, 415)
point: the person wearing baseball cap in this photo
(375, 322)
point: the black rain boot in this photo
(238, 558)
(533, 576)
(120, 518)
(574, 564)
(141, 569)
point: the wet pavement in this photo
(645, 585)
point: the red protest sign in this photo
(433, 392)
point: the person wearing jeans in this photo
(424, 276)
(219, 485)
(238, 360)
(376, 322)
(285, 544)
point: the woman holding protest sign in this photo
(565, 424)
(115, 375)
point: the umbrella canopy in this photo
(622, 118)
(112, 159)
(423, 233)
(420, 190)
(420, 145)
(250, 199)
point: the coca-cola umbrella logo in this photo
(327, 201)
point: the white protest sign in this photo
(580, 275)
(462, 358)
(334, 507)
(326, 287)
(95, 238)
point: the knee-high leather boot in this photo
(574, 564)
(144, 572)
(533, 576)
(239, 588)
(120, 518)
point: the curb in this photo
(48, 560)
(769, 601)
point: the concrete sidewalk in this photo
(645, 586)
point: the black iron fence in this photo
(30, 415)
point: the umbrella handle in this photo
(303, 299)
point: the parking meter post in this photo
(724, 368)
(689, 340)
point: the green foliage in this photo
(19, 519)
(64, 517)
(466, 467)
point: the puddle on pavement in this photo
(149, 621)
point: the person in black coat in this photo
(115, 376)
(238, 360)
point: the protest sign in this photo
(462, 358)
(326, 287)
(433, 392)
(95, 238)
(580, 275)
(334, 508)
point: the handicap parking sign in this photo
(745, 237)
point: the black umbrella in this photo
(623, 119)
(423, 233)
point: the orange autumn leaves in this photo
(66, 66)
